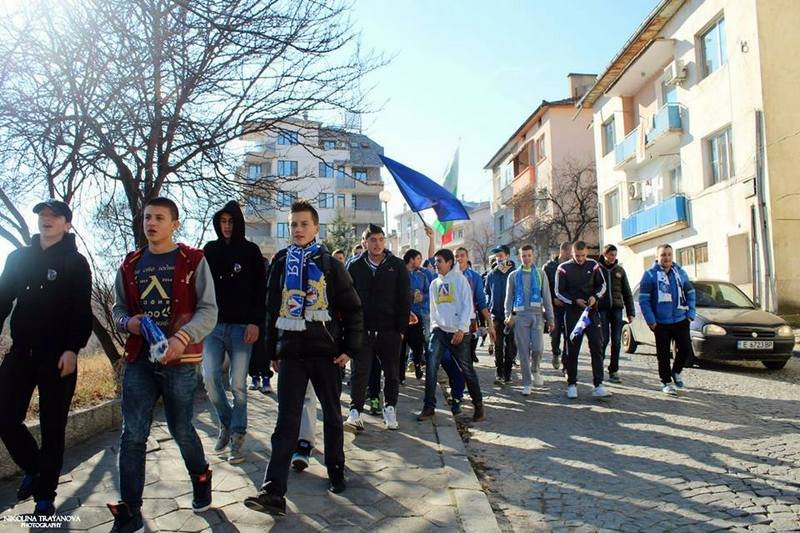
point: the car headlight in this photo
(785, 331)
(714, 330)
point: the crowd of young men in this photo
(307, 314)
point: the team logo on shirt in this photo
(237, 268)
(51, 274)
(444, 294)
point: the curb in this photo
(82, 425)
(472, 505)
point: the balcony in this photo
(524, 180)
(665, 217)
(506, 194)
(662, 136)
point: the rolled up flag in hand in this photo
(583, 323)
(155, 338)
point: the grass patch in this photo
(96, 384)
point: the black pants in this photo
(259, 364)
(21, 371)
(665, 334)
(558, 333)
(385, 345)
(414, 340)
(293, 377)
(611, 321)
(594, 333)
(505, 350)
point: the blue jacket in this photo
(419, 281)
(656, 312)
(478, 294)
(496, 291)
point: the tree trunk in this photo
(106, 341)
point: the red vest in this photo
(183, 300)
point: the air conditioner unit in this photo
(674, 73)
(634, 191)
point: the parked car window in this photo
(721, 295)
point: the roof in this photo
(365, 152)
(536, 115)
(638, 42)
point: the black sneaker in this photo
(201, 488)
(125, 520)
(264, 502)
(44, 508)
(336, 476)
(426, 414)
(418, 371)
(455, 407)
(613, 377)
(479, 414)
(27, 486)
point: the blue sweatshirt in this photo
(478, 294)
(666, 312)
(496, 290)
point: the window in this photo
(713, 47)
(287, 137)
(612, 208)
(283, 230)
(254, 172)
(506, 175)
(360, 174)
(501, 223)
(287, 168)
(675, 180)
(692, 255)
(354, 201)
(340, 200)
(354, 144)
(325, 170)
(325, 200)
(323, 231)
(609, 136)
(329, 145)
(460, 234)
(669, 94)
(285, 199)
(720, 155)
(540, 148)
(701, 253)
(340, 173)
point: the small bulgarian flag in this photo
(450, 183)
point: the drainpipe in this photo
(770, 300)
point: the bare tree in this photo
(480, 243)
(109, 103)
(567, 211)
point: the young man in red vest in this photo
(171, 284)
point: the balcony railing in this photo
(524, 180)
(667, 119)
(672, 211)
(627, 148)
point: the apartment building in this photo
(525, 169)
(696, 144)
(337, 170)
(475, 234)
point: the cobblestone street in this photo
(725, 454)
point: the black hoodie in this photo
(53, 289)
(384, 293)
(240, 277)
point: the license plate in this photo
(754, 345)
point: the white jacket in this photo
(451, 302)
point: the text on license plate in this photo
(754, 345)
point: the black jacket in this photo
(384, 295)
(343, 334)
(574, 281)
(53, 290)
(238, 271)
(550, 270)
(618, 290)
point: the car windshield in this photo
(721, 296)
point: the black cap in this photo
(57, 206)
(501, 248)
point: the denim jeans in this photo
(440, 342)
(143, 383)
(454, 374)
(611, 322)
(227, 338)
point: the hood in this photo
(65, 245)
(605, 264)
(739, 317)
(233, 209)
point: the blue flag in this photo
(421, 192)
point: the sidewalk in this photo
(414, 479)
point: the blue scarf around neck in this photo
(302, 303)
(536, 289)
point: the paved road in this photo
(725, 454)
(398, 480)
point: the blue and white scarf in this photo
(536, 289)
(664, 292)
(302, 303)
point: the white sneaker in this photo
(354, 423)
(390, 417)
(600, 392)
(538, 380)
(572, 392)
(670, 389)
(526, 390)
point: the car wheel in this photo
(775, 365)
(628, 342)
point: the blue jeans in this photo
(440, 342)
(143, 383)
(227, 338)
(611, 322)
(454, 374)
